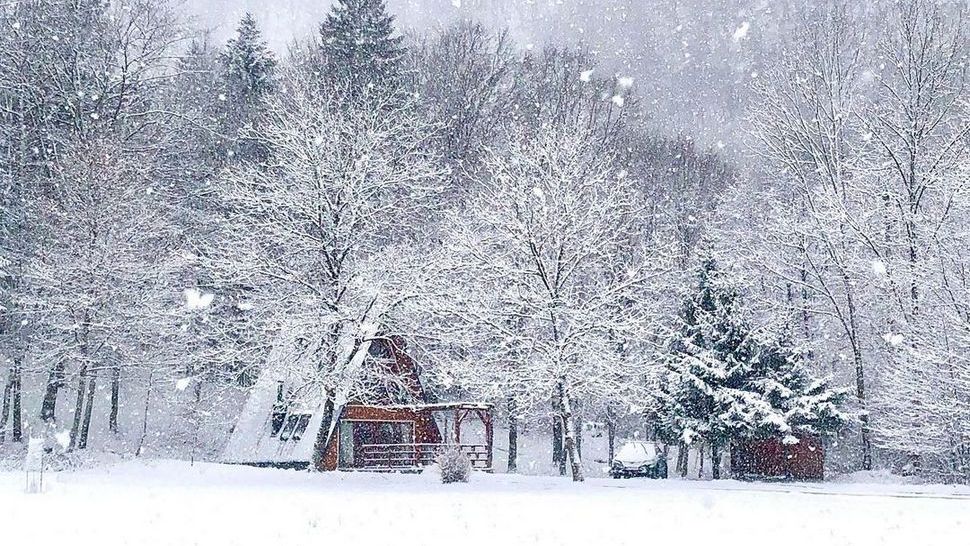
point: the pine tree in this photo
(772, 394)
(727, 382)
(711, 341)
(249, 78)
(358, 48)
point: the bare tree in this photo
(543, 275)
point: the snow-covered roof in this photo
(251, 440)
(291, 364)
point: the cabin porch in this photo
(409, 438)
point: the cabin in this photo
(801, 457)
(386, 422)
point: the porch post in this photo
(486, 416)
(458, 419)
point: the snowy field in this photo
(173, 503)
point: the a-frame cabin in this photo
(397, 427)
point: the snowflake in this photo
(741, 32)
(194, 299)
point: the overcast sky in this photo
(692, 60)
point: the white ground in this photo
(168, 502)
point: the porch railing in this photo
(409, 456)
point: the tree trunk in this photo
(683, 454)
(558, 457)
(569, 435)
(323, 439)
(715, 461)
(860, 377)
(611, 433)
(700, 462)
(144, 422)
(55, 380)
(78, 407)
(579, 435)
(115, 395)
(16, 433)
(513, 437)
(5, 408)
(89, 406)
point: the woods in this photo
(172, 209)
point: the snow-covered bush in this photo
(454, 465)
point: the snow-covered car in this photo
(639, 458)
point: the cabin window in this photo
(380, 348)
(294, 427)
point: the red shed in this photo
(797, 457)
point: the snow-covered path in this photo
(173, 503)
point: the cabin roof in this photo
(442, 406)
(290, 363)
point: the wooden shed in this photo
(798, 457)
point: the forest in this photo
(172, 205)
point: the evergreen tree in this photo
(727, 382)
(712, 340)
(249, 78)
(773, 395)
(358, 48)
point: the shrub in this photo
(455, 466)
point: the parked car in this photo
(639, 458)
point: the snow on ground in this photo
(173, 503)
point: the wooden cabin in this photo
(390, 424)
(800, 458)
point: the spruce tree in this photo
(248, 78)
(711, 341)
(359, 51)
(728, 382)
(774, 395)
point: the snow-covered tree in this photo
(249, 77)
(464, 77)
(91, 145)
(543, 284)
(360, 50)
(727, 382)
(325, 231)
(807, 133)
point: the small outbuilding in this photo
(795, 457)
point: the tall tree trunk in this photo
(5, 408)
(558, 457)
(78, 407)
(578, 421)
(115, 395)
(569, 434)
(55, 380)
(700, 462)
(715, 461)
(860, 378)
(16, 433)
(144, 421)
(323, 439)
(513, 437)
(611, 433)
(88, 407)
(683, 455)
